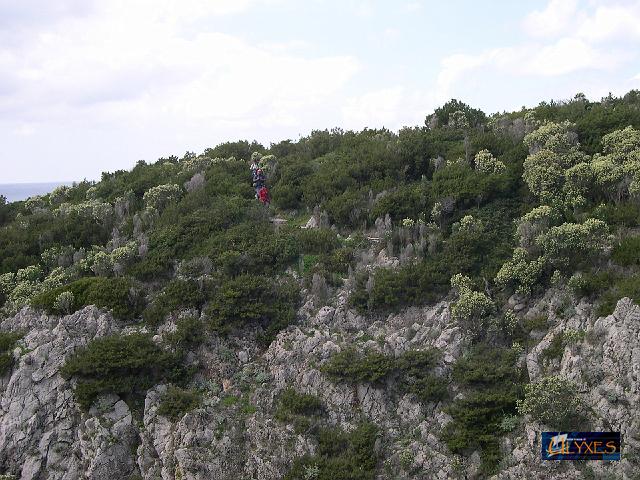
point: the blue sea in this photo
(21, 191)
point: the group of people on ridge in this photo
(259, 183)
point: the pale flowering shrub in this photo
(408, 223)
(31, 273)
(197, 164)
(563, 244)
(122, 257)
(34, 204)
(64, 302)
(91, 193)
(485, 162)
(469, 224)
(533, 224)
(553, 401)
(519, 273)
(472, 307)
(554, 149)
(59, 195)
(160, 196)
(99, 262)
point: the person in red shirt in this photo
(263, 195)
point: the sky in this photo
(88, 86)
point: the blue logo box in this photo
(580, 446)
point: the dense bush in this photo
(624, 214)
(21, 243)
(127, 365)
(392, 289)
(415, 371)
(340, 455)
(253, 300)
(7, 342)
(627, 252)
(623, 287)
(189, 334)
(412, 371)
(349, 365)
(407, 201)
(300, 409)
(492, 385)
(291, 402)
(119, 295)
(175, 295)
(554, 401)
(176, 402)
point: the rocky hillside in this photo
(413, 305)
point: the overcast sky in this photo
(94, 85)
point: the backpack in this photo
(263, 194)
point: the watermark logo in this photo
(580, 446)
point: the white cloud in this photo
(574, 44)
(127, 64)
(380, 107)
(140, 79)
(568, 55)
(553, 20)
(391, 33)
(610, 22)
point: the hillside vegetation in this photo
(484, 211)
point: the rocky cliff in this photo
(235, 433)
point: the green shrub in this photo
(291, 402)
(627, 252)
(623, 214)
(333, 267)
(253, 300)
(492, 385)
(300, 409)
(349, 365)
(555, 349)
(119, 295)
(7, 343)
(485, 366)
(175, 295)
(622, 287)
(348, 208)
(395, 288)
(316, 240)
(341, 455)
(176, 402)
(554, 401)
(592, 284)
(125, 365)
(189, 334)
(540, 323)
(407, 201)
(466, 185)
(413, 371)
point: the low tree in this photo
(472, 307)
(520, 273)
(553, 401)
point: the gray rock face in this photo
(234, 434)
(604, 365)
(42, 435)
